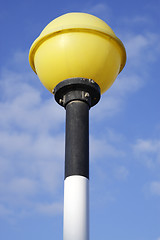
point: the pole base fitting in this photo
(77, 89)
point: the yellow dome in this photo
(77, 45)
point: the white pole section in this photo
(76, 208)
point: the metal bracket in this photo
(81, 89)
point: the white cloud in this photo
(38, 160)
(49, 209)
(101, 147)
(114, 100)
(25, 108)
(101, 10)
(106, 108)
(155, 188)
(136, 20)
(31, 143)
(142, 49)
(148, 152)
(5, 211)
(136, 44)
(115, 137)
(127, 84)
(139, 19)
(121, 172)
(147, 145)
(23, 186)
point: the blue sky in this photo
(124, 128)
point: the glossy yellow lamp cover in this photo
(77, 45)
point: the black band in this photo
(77, 139)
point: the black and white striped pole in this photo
(77, 95)
(77, 57)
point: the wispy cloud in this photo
(136, 21)
(155, 188)
(50, 208)
(24, 108)
(142, 49)
(100, 10)
(147, 146)
(114, 100)
(5, 211)
(148, 152)
(121, 172)
(101, 147)
(31, 143)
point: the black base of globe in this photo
(77, 95)
(81, 89)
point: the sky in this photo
(124, 128)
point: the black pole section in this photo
(77, 139)
(77, 96)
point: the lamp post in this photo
(77, 57)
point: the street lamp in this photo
(77, 57)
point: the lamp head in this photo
(77, 45)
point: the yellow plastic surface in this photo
(77, 45)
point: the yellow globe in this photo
(77, 45)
